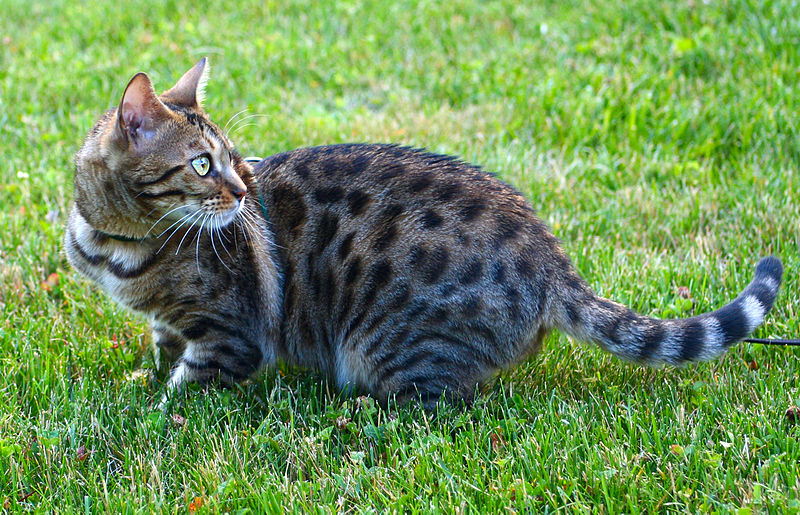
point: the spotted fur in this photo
(393, 271)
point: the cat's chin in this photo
(224, 219)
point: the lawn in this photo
(659, 140)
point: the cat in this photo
(393, 271)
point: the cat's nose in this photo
(239, 193)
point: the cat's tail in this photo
(638, 338)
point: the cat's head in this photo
(156, 159)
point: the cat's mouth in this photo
(204, 216)
(218, 213)
(225, 218)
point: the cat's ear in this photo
(190, 89)
(140, 111)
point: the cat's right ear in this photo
(140, 112)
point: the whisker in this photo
(190, 229)
(171, 226)
(197, 245)
(243, 228)
(211, 231)
(255, 219)
(247, 218)
(184, 219)
(240, 127)
(254, 115)
(248, 117)
(235, 238)
(201, 226)
(251, 220)
(248, 213)
(221, 234)
(156, 207)
(232, 118)
(220, 231)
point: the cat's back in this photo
(426, 214)
(382, 184)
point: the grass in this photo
(658, 139)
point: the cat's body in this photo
(394, 271)
(404, 270)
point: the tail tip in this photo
(771, 267)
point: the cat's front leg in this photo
(169, 344)
(218, 357)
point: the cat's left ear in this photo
(190, 89)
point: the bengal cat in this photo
(393, 271)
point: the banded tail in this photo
(638, 338)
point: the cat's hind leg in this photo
(432, 368)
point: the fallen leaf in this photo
(49, 283)
(363, 402)
(341, 422)
(683, 292)
(139, 375)
(497, 441)
(81, 454)
(178, 420)
(196, 504)
(793, 414)
(752, 364)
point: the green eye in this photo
(201, 165)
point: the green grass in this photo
(658, 139)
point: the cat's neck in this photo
(118, 237)
(85, 232)
(117, 228)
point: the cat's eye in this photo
(201, 165)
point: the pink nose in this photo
(239, 193)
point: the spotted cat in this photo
(393, 271)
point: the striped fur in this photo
(637, 338)
(393, 271)
(190, 252)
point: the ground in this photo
(659, 140)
